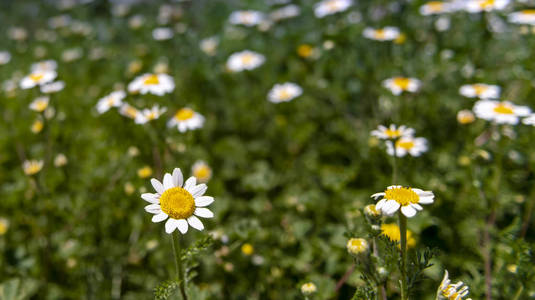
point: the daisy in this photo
(39, 104)
(209, 45)
(246, 17)
(38, 77)
(413, 146)
(285, 12)
(388, 33)
(156, 84)
(435, 7)
(308, 288)
(5, 57)
(52, 87)
(449, 291)
(503, 112)
(397, 85)
(244, 60)
(284, 92)
(480, 90)
(392, 132)
(128, 111)
(45, 65)
(186, 119)
(201, 171)
(357, 246)
(32, 167)
(526, 16)
(115, 99)
(465, 117)
(329, 7)
(180, 204)
(162, 33)
(147, 115)
(475, 6)
(406, 199)
(530, 120)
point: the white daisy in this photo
(530, 120)
(284, 92)
(329, 7)
(407, 144)
(201, 171)
(406, 199)
(456, 291)
(480, 90)
(209, 45)
(246, 17)
(392, 132)
(179, 204)
(388, 33)
(32, 167)
(435, 7)
(147, 115)
(526, 16)
(503, 112)
(128, 111)
(115, 99)
(5, 57)
(156, 84)
(39, 104)
(285, 12)
(244, 60)
(162, 33)
(186, 119)
(476, 6)
(45, 65)
(397, 85)
(38, 77)
(52, 87)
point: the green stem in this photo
(177, 250)
(519, 292)
(394, 165)
(403, 238)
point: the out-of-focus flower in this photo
(530, 120)
(306, 51)
(144, 172)
(162, 33)
(161, 67)
(4, 226)
(59, 21)
(393, 233)
(357, 246)
(39, 104)
(136, 21)
(32, 167)
(129, 188)
(128, 111)
(526, 16)
(246, 17)
(71, 54)
(406, 199)
(201, 171)
(329, 7)
(503, 112)
(180, 203)
(209, 45)
(285, 12)
(5, 57)
(115, 99)
(449, 291)
(476, 6)
(133, 151)
(45, 65)
(371, 211)
(284, 92)
(247, 249)
(436, 7)
(308, 288)
(186, 119)
(397, 85)
(120, 9)
(134, 67)
(414, 146)
(465, 116)
(480, 90)
(244, 60)
(52, 87)
(156, 84)
(60, 160)
(38, 77)
(147, 115)
(388, 33)
(17, 33)
(37, 126)
(393, 132)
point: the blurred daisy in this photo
(480, 90)
(530, 120)
(397, 85)
(144, 172)
(147, 115)
(186, 119)
(526, 16)
(407, 144)
(37, 77)
(465, 117)
(39, 104)
(5, 57)
(503, 112)
(180, 204)
(392, 232)
(392, 132)
(115, 99)
(128, 111)
(244, 60)
(406, 199)
(201, 171)
(156, 84)
(435, 7)
(60, 160)
(4, 226)
(37, 126)
(246, 17)
(52, 87)
(32, 167)
(449, 291)
(475, 6)
(329, 7)
(45, 65)
(308, 288)
(357, 246)
(162, 33)
(284, 92)
(209, 45)
(285, 12)
(388, 33)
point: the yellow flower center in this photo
(247, 249)
(304, 50)
(37, 126)
(402, 195)
(529, 11)
(405, 144)
(33, 168)
(504, 109)
(151, 80)
(184, 114)
(131, 112)
(486, 3)
(36, 76)
(177, 203)
(202, 172)
(247, 58)
(380, 34)
(332, 5)
(479, 89)
(393, 133)
(402, 83)
(284, 94)
(144, 172)
(435, 6)
(41, 105)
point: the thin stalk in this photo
(519, 292)
(177, 250)
(394, 164)
(403, 238)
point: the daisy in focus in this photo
(147, 115)
(246, 17)
(435, 7)
(156, 84)
(284, 92)
(38, 77)
(186, 119)
(526, 16)
(32, 167)
(397, 85)
(388, 33)
(179, 203)
(329, 7)
(476, 6)
(115, 99)
(480, 90)
(392, 132)
(449, 291)
(500, 112)
(201, 171)
(39, 104)
(244, 60)
(405, 199)
(414, 146)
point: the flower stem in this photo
(177, 250)
(403, 238)
(395, 166)
(519, 292)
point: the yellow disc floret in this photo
(184, 114)
(151, 79)
(402, 195)
(402, 83)
(177, 203)
(504, 109)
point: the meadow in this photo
(277, 149)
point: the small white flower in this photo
(397, 85)
(186, 119)
(480, 90)
(526, 16)
(115, 99)
(284, 92)
(435, 7)
(503, 112)
(128, 111)
(329, 7)
(162, 33)
(285, 12)
(446, 290)
(45, 65)
(156, 84)
(39, 104)
(406, 199)
(246, 17)
(407, 144)
(388, 33)
(32, 167)
(52, 87)
(476, 6)
(392, 132)
(180, 204)
(38, 77)
(244, 60)
(209, 45)
(5, 57)
(147, 115)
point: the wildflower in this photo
(393, 233)
(476, 6)
(5, 57)
(38, 77)
(284, 92)
(129, 188)
(480, 90)
(247, 249)
(179, 204)
(134, 67)
(186, 119)
(308, 288)
(406, 199)
(4, 226)
(371, 211)
(201, 171)
(246, 17)
(52, 87)
(244, 60)
(128, 111)
(503, 112)
(71, 54)
(136, 21)
(392, 132)
(32, 167)
(39, 104)
(414, 146)
(329, 7)
(397, 85)
(530, 120)
(465, 116)
(446, 290)
(388, 33)
(285, 12)
(305, 51)
(357, 246)
(60, 160)
(156, 84)
(37, 126)
(147, 115)
(17, 33)
(144, 172)
(435, 7)
(209, 45)
(45, 65)
(162, 33)
(115, 99)
(526, 16)
(133, 151)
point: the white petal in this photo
(190, 183)
(391, 207)
(157, 185)
(182, 225)
(159, 217)
(416, 206)
(168, 181)
(153, 208)
(195, 223)
(408, 211)
(426, 200)
(203, 201)
(380, 204)
(178, 179)
(171, 225)
(149, 197)
(377, 195)
(198, 190)
(204, 212)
